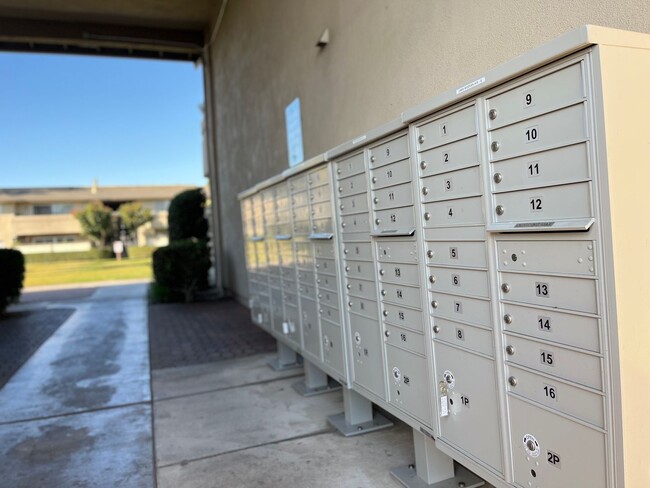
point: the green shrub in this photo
(140, 252)
(12, 274)
(182, 268)
(186, 216)
(52, 257)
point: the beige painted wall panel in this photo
(626, 109)
(384, 57)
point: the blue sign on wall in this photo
(293, 123)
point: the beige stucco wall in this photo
(384, 56)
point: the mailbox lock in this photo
(493, 114)
(383, 293)
(343, 225)
(345, 251)
(432, 279)
(348, 286)
(505, 288)
(385, 313)
(372, 159)
(436, 329)
(314, 227)
(375, 200)
(499, 210)
(425, 191)
(349, 304)
(382, 272)
(374, 179)
(377, 221)
(347, 268)
(387, 333)
(423, 164)
(512, 381)
(434, 304)
(498, 177)
(429, 253)
(427, 216)
(510, 350)
(320, 295)
(495, 146)
(421, 139)
(317, 266)
(340, 189)
(338, 171)
(507, 318)
(320, 311)
(342, 207)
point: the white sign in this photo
(293, 123)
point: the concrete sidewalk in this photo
(78, 413)
(81, 413)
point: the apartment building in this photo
(37, 220)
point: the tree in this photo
(96, 222)
(133, 216)
(186, 216)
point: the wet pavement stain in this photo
(55, 443)
(83, 382)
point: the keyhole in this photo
(514, 257)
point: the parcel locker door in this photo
(333, 354)
(366, 351)
(472, 423)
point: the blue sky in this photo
(65, 120)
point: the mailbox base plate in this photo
(407, 476)
(378, 422)
(307, 391)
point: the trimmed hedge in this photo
(132, 252)
(140, 252)
(181, 269)
(12, 274)
(52, 257)
(186, 216)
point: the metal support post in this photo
(358, 416)
(316, 382)
(433, 468)
(287, 359)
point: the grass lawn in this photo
(65, 272)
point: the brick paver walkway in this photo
(22, 333)
(197, 333)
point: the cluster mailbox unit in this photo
(479, 269)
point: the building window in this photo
(42, 209)
(161, 206)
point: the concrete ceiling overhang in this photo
(162, 29)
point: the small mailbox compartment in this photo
(464, 309)
(558, 395)
(450, 157)
(398, 221)
(402, 317)
(549, 92)
(360, 269)
(459, 281)
(310, 329)
(463, 211)
(550, 325)
(355, 223)
(358, 251)
(390, 175)
(354, 204)
(391, 251)
(362, 288)
(363, 306)
(584, 369)
(455, 184)
(408, 296)
(404, 338)
(407, 274)
(393, 197)
(456, 253)
(578, 294)
(446, 129)
(464, 335)
(352, 185)
(389, 152)
(350, 166)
